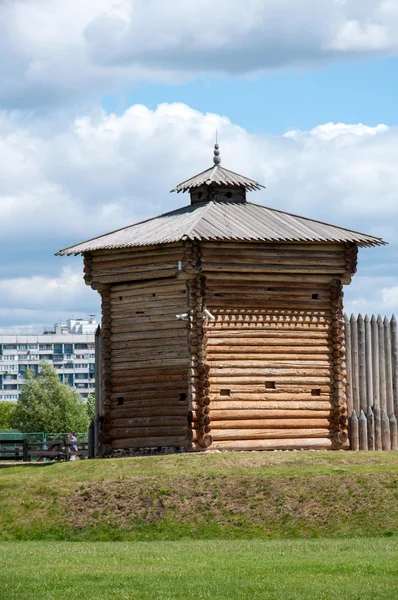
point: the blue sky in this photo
(105, 105)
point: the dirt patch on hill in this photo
(316, 505)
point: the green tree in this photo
(90, 406)
(46, 404)
(6, 412)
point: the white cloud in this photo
(30, 303)
(79, 177)
(55, 51)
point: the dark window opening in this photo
(225, 392)
(270, 385)
(315, 296)
(228, 195)
(120, 297)
(200, 194)
(140, 312)
(316, 392)
(120, 400)
(154, 295)
(270, 289)
(182, 397)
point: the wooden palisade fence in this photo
(372, 382)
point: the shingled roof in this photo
(218, 176)
(224, 221)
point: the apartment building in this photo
(69, 347)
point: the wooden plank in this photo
(347, 332)
(275, 444)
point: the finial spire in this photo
(216, 157)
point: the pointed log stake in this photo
(363, 431)
(354, 433)
(394, 350)
(355, 376)
(377, 422)
(347, 331)
(388, 363)
(393, 432)
(371, 429)
(361, 364)
(385, 431)
(368, 361)
(382, 363)
(375, 357)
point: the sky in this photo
(105, 105)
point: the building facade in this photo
(222, 324)
(69, 347)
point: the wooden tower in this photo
(222, 324)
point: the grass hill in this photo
(203, 496)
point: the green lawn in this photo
(360, 569)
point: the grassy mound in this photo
(231, 495)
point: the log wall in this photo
(267, 372)
(145, 359)
(275, 349)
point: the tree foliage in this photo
(90, 406)
(46, 404)
(6, 412)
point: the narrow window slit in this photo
(315, 296)
(182, 397)
(225, 392)
(120, 400)
(315, 392)
(270, 385)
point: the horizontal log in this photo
(217, 358)
(150, 412)
(243, 397)
(267, 434)
(254, 269)
(276, 444)
(133, 421)
(116, 277)
(276, 277)
(111, 262)
(257, 344)
(241, 369)
(251, 337)
(179, 441)
(131, 312)
(247, 414)
(150, 397)
(270, 365)
(147, 345)
(132, 336)
(148, 432)
(171, 325)
(268, 423)
(254, 378)
(243, 245)
(135, 250)
(156, 362)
